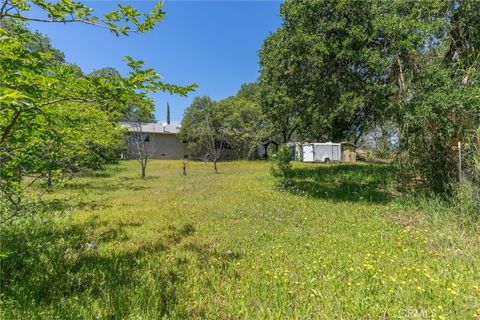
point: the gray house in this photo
(161, 140)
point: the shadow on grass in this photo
(104, 186)
(51, 268)
(103, 172)
(344, 182)
(61, 205)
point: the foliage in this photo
(441, 115)
(122, 21)
(244, 124)
(234, 247)
(282, 167)
(277, 94)
(249, 91)
(466, 199)
(337, 70)
(316, 78)
(193, 126)
(473, 155)
(55, 120)
(236, 122)
(138, 108)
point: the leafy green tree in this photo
(138, 109)
(438, 102)
(201, 129)
(53, 118)
(335, 70)
(105, 73)
(243, 124)
(236, 121)
(249, 91)
(124, 20)
(277, 89)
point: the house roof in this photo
(153, 127)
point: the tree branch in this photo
(2, 9)
(64, 21)
(9, 128)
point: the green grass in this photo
(336, 245)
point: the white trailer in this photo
(308, 153)
(322, 152)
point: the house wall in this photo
(349, 153)
(163, 146)
(168, 146)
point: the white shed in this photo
(322, 152)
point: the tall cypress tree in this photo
(168, 113)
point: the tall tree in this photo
(334, 70)
(277, 89)
(243, 121)
(168, 113)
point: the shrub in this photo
(472, 150)
(282, 168)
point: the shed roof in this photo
(349, 143)
(153, 127)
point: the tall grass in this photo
(339, 244)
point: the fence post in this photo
(459, 161)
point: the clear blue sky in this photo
(211, 43)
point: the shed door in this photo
(308, 153)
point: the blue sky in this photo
(211, 43)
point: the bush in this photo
(282, 168)
(472, 150)
(466, 199)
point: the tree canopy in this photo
(55, 119)
(336, 69)
(237, 121)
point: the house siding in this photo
(168, 146)
(164, 146)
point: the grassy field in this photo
(337, 245)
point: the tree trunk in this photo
(285, 138)
(215, 166)
(49, 179)
(144, 166)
